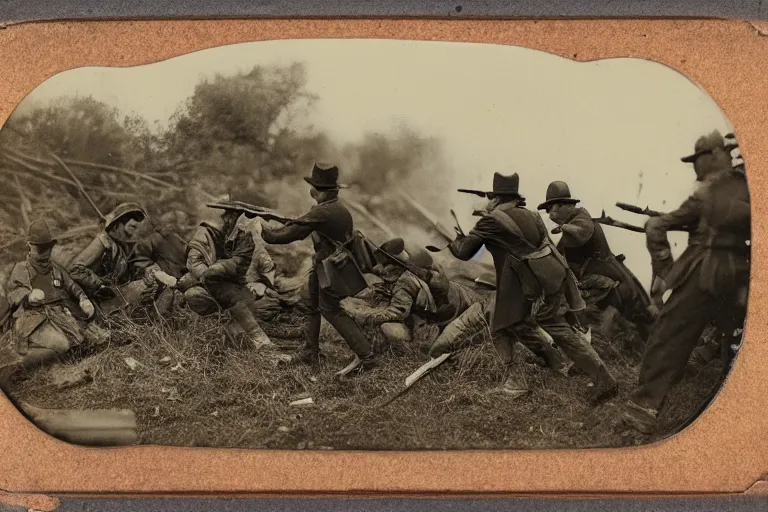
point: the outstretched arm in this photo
(396, 311)
(578, 231)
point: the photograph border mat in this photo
(723, 451)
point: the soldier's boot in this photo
(513, 386)
(641, 419)
(365, 358)
(544, 347)
(606, 387)
(253, 331)
(309, 353)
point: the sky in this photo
(613, 129)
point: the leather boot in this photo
(253, 331)
(310, 352)
(606, 387)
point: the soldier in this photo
(709, 281)
(218, 259)
(51, 312)
(110, 266)
(532, 279)
(476, 318)
(331, 227)
(411, 301)
(604, 280)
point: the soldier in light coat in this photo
(224, 266)
(51, 312)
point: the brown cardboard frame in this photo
(723, 451)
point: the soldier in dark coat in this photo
(604, 280)
(330, 225)
(709, 281)
(532, 279)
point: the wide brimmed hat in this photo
(121, 211)
(557, 193)
(324, 177)
(502, 186)
(40, 234)
(706, 144)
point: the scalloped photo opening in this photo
(370, 245)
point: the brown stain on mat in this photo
(724, 451)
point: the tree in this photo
(77, 127)
(244, 124)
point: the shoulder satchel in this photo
(341, 271)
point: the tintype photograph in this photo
(370, 245)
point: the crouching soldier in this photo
(51, 312)
(218, 259)
(604, 281)
(110, 271)
(532, 282)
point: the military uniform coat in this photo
(62, 294)
(587, 252)
(528, 266)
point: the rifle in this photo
(418, 272)
(608, 221)
(638, 210)
(251, 211)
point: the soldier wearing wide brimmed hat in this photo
(222, 261)
(50, 310)
(411, 302)
(106, 260)
(419, 293)
(127, 256)
(605, 282)
(330, 225)
(532, 279)
(709, 281)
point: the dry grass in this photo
(212, 394)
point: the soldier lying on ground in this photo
(218, 260)
(50, 312)
(112, 272)
(476, 319)
(605, 282)
(411, 302)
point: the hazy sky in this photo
(614, 130)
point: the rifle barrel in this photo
(640, 211)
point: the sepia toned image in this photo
(370, 244)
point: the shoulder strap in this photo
(511, 226)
